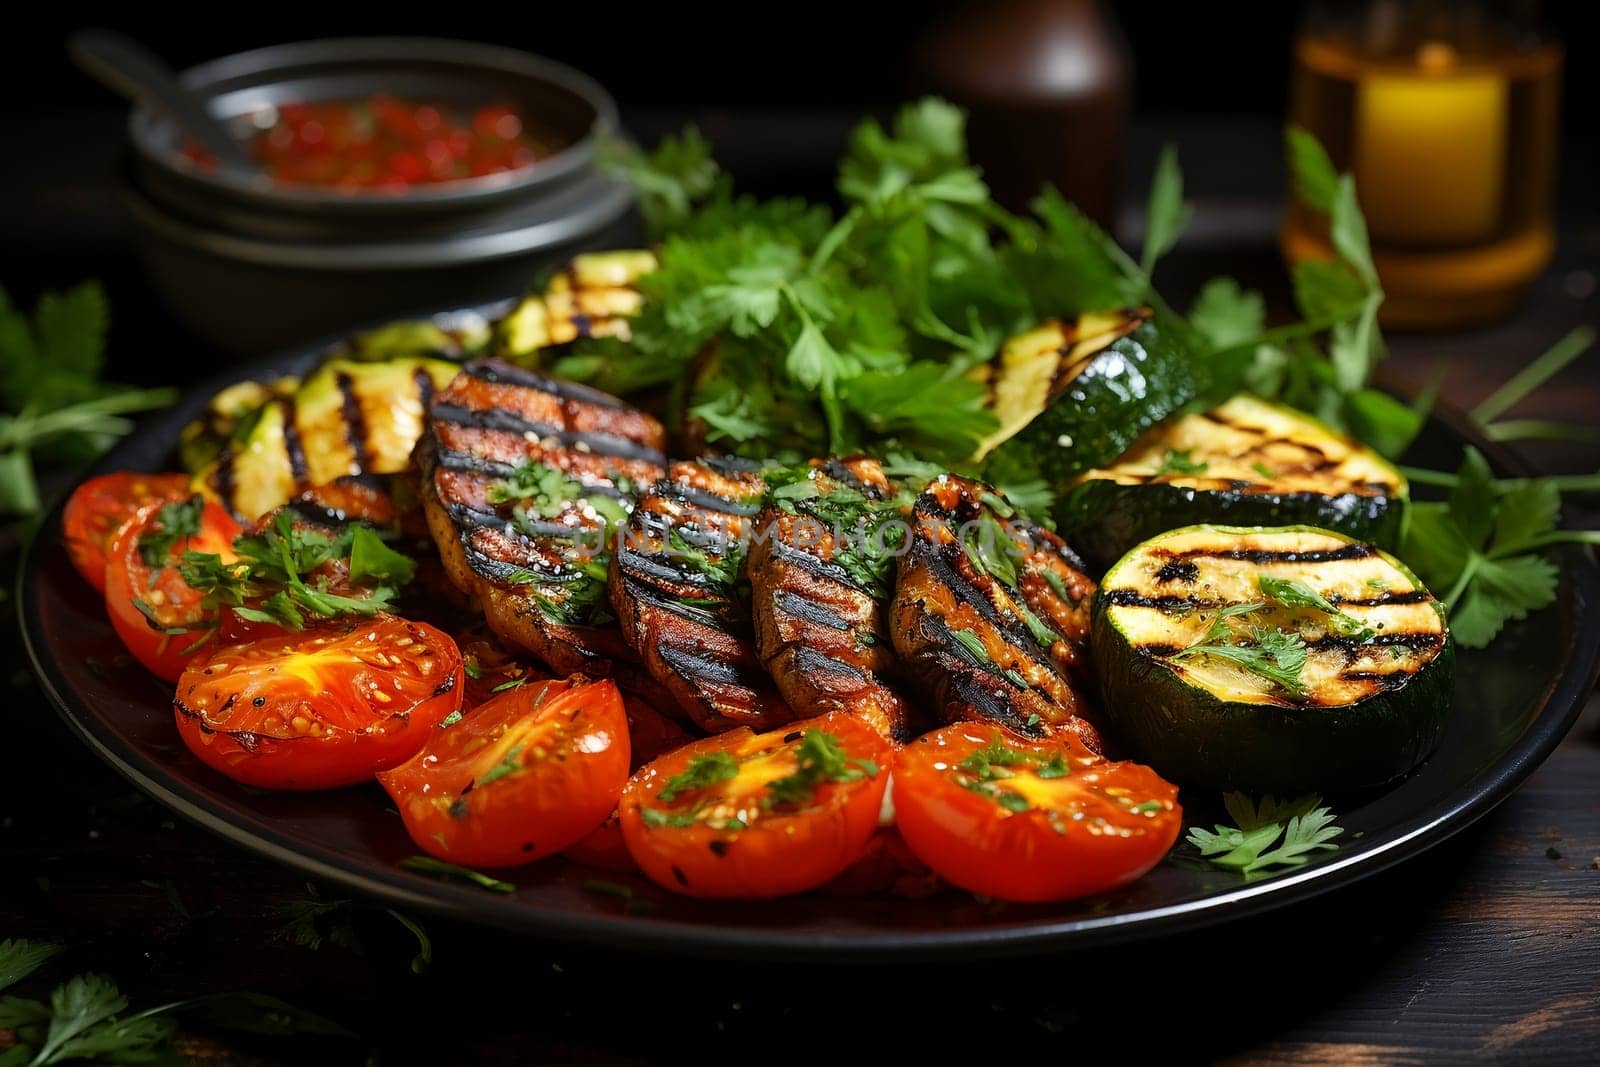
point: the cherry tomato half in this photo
(650, 734)
(99, 506)
(320, 708)
(758, 815)
(152, 608)
(1017, 819)
(525, 775)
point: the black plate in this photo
(1514, 703)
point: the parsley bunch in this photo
(51, 396)
(783, 329)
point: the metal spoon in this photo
(129, 68)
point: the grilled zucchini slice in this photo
(455, 335)
(1286, 660)
(1073, 394)
(1246, 463)
(346, 419)
(594, 296)
(227, 419)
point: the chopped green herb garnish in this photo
(656, 817)
(451, 719)
(1272, 654)
(269, 581)
(510, 764)
(173, 523)
(514, 683)
(821, 758)
(1293, 593)
(1264, 470)
(703, 770)
(1179, 461)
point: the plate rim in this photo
(1562, 704)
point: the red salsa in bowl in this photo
(388, 144)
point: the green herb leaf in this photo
(1166, 216)
(1225, 315)
(173, 523)
(1483, 547)
(703, 770)
(20, 958)
(1293, 593)
(1304, 826)
(511, 763)
(1316, 181)
(821, 758)
(1272, 654)
(370, 558)
(1179, 461)
(430, 865)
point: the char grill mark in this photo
(355, 420)
(536, 564)
(991, 638)
(674, 584)
(821, 633)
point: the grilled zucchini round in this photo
(1073, 394)
(1285, 660)
(1246, 463)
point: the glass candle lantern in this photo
(1447, 115)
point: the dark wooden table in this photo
(1486, 947)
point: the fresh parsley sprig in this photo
(1273, 834)
(1483, 548)
(51, 397)
(86, 1017)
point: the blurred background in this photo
(776, 92)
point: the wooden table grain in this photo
(1486, 947)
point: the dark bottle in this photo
(1046, 83)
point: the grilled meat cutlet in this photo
(978, 621)
(675, 588)
(820, 579)
(526, 481)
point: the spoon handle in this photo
(132, 70)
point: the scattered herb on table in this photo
(85, 1017)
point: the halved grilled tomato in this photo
(1017, 819)
(758, 815)
(650, 734)
(320, 708)
(525, 775)
(152, 608)
(99, 507)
